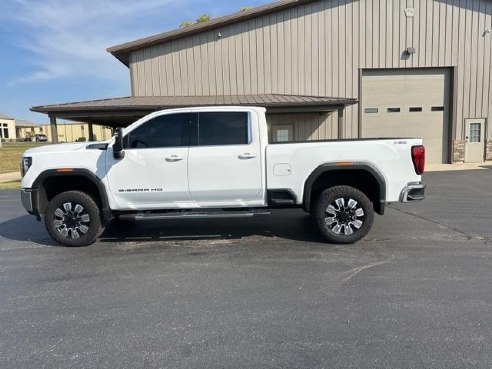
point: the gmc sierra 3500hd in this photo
(216, 162)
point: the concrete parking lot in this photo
(263, 293)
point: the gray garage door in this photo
(408, 103)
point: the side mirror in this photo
(118, 152)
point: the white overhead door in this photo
(408, 103)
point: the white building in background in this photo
(12, 130)
(77, 131)
(7, 127)
(67, 131)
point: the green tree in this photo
(201, 19)
(186, 24)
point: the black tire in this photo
(343, 224)
(76, 224)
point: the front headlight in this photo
(25, 165)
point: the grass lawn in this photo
(11, 153)
(10, 186)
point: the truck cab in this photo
(191, 159)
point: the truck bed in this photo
(290, 164)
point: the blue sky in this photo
(54, 51)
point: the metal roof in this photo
(24, 123)
(124, 110)
(121, 52)
(267, 100)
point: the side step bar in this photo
(193, 214)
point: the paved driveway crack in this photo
(353, 272)
(468, 236)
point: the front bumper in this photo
(414, 191)
(29, 199)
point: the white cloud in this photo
(69, 38)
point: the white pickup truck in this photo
(216, 162)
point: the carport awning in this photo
(123, 111)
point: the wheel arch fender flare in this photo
(74, 172)
(356, 166)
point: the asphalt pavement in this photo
(256, 293)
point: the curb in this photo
(457, 167)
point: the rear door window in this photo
(223, 128)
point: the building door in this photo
(408, 103)
(475, 140)
(283, 133)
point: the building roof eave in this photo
(114, 112)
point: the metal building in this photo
(415, 67)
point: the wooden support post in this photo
(54, 130)
(91, 132)
(341, 134)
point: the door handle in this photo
(246, 156)
(173, 158)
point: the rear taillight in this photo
(418, 158)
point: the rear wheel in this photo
(343, 214)
(73, 219)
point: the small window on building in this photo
(223, 128)
(282, 135)
(371, 110)
(437, 108)
(475, 132)
(415, 109)
(393, 110)
(5, 133)
(283, 132)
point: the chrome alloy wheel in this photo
(72, 221)
(344, 217)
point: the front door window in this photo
(171, 130)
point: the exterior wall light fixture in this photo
(410, 50)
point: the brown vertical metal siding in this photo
(311, 126)
(318, 49)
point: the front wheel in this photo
(343, 214)
(73, 219)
